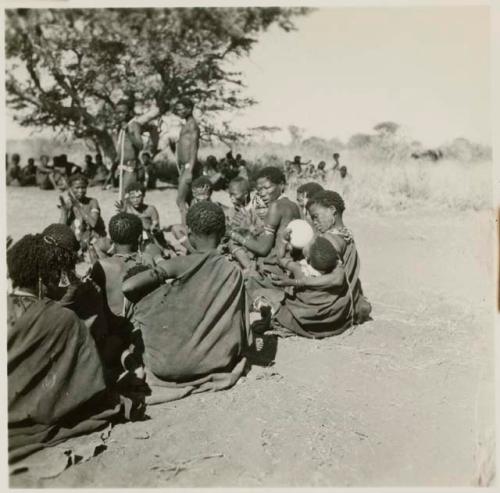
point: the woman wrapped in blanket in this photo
(192, 313)
(56, 384)
(326, 210)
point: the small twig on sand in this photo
(176, 468)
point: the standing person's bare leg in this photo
(182, 194)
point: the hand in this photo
(120, 205)
(63, 204)
(282, 280)
(238, 238)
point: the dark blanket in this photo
(195, 329)
(56, 386)
(351, 262)
(317, 314)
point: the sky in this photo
(346, 69)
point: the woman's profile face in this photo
(323, 218)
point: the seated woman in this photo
(326, 209)
(56, 385)
(281, 210)
(321, 305)
(194, 327)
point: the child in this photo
(194, 328)
(201, 190)
(82, 213)
(321, 304)
(125, 230)
(304, 193)
(134, 204)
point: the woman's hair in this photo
(136, 186)
(205, 218)
(125, 228)
(23, 261)
(78, 177)
(42, 256)
(273, 174)
(202, 182)
(59, 248)
(310, 188)
(327, 198)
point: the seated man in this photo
(28, 174)
(44, 174)
(192, 345)
(13, 172)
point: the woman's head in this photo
(23, 273)
(79, 183)
(125, 229)
(59, 254)
(136, 193)
(270, 183)
(51, 255)
(206, 224)
(202, 189)
(326, 209)
(306, 191)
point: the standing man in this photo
(187, 154)
(128, 145)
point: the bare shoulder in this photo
(287, 205)
(337, 241)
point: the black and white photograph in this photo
(249, 245)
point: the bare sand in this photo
(404, 400)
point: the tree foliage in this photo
(67, 68)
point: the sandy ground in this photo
(407, 399)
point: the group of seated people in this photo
(50, 175)
(163, 312)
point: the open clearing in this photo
(407, 399)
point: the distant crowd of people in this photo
(50, 175)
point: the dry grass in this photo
(390, 185)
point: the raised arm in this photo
(90, 218)
(263, 244)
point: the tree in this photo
(359, 141)
(386, 128)
(67, 68)
(296, 134)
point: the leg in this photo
(183, 190)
